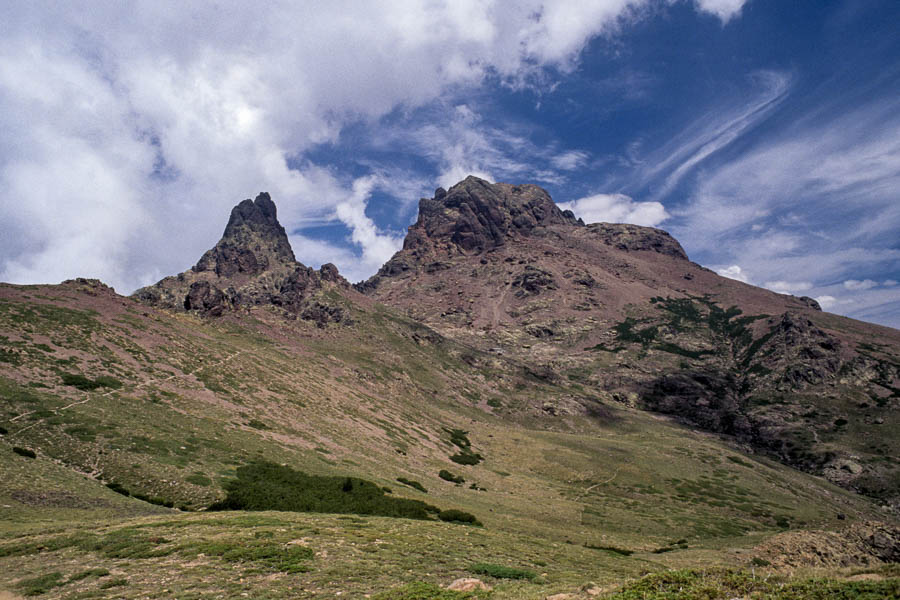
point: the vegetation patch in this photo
(272, 557)
(611, 549)
(41, 584)
(457, 516)
(501, 572)
(719, 583)
(24, 452)
(427, 591)
(413, 484)
(80, 382)
(267, 486)
(448, 476)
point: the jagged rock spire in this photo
(254, 241)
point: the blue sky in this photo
(764, 134)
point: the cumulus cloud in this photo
(734, 272)
(616, 208)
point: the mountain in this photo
(622, 311)
(511, 364)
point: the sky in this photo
(763, 134)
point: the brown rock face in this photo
(252, 265)
(254, 241)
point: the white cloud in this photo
(855, 284)
(724, 9)
(826, 302)
(788, 287)
(734, 272)
(570, 160)
(889, 282)
(128, 128)
(616, 208)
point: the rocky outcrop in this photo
(254, 241)
(633, 238)
(252, 265)
(476, 216)
(471, 218)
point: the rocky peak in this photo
(252, 265)
(254, 241)
(474, 215)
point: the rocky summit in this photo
(519, 401)
(251, 265)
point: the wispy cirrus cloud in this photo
(821, 200)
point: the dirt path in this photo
(495, 309)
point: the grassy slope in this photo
(375, 401)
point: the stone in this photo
(468, 584)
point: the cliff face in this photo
(252, 265)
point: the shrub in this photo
(268, 486)
(425, 591)
(78, 381)
(448, 476)
(108, 381)
(41, 585)
(198, 479)
(24, 452)
(118, 488)
(274, 557)
(467, 457)
(155, 500)
(611, 549)
(457, 516)
(3, 431)
(84, 384)
(501, 572)
(412, 484)
(99, 572)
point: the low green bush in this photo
(3, 431)
(118, 488)
(199, 479)
(448, 476)
(117, 582)
(427, 591)
(41, 584)
(268, 486)
(412, 484)
(99, 572)
(501, 572)
(154, 500)
(457, 516)
(611, 549)
(79, 381)
(467, 457)
(24, 452)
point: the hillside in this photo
(250, 356)
(621, 311)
